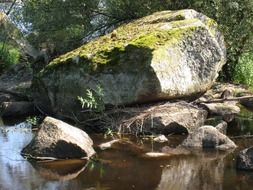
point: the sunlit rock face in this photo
(167, 55)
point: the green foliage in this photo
(244, 70)
(8, 56)
(108, 133)
(57, 24)
(93, 99)
(32, 120)
(129, 9)
(236, 23)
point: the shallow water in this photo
(124, 167)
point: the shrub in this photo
(244, 70)
(93, 99)
(8, 56)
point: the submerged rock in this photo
(208, 137)
(123, 145)
(167, 55)
(176, 151)
(168, 152)
(59, 140)
(108, 145)
(244, 160)
(160, 139)
(156, 155)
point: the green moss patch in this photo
(143, 36)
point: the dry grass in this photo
(133, 120)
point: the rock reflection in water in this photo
(61, 170)
(206, 172)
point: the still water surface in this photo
(123, 167)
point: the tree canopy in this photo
(58, 24)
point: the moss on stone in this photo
(212, 26)
(145, 34)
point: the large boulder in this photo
(59, 140)
(208, 137)
(244, 160)
(167, 55)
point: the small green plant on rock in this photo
(93, 99)
(32, 120)
(108, 133)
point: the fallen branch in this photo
(227, 99)
(242, 137)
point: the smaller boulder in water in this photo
(244, 160)
(59, 140)
(208, 137)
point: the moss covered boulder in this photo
(167, 55)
